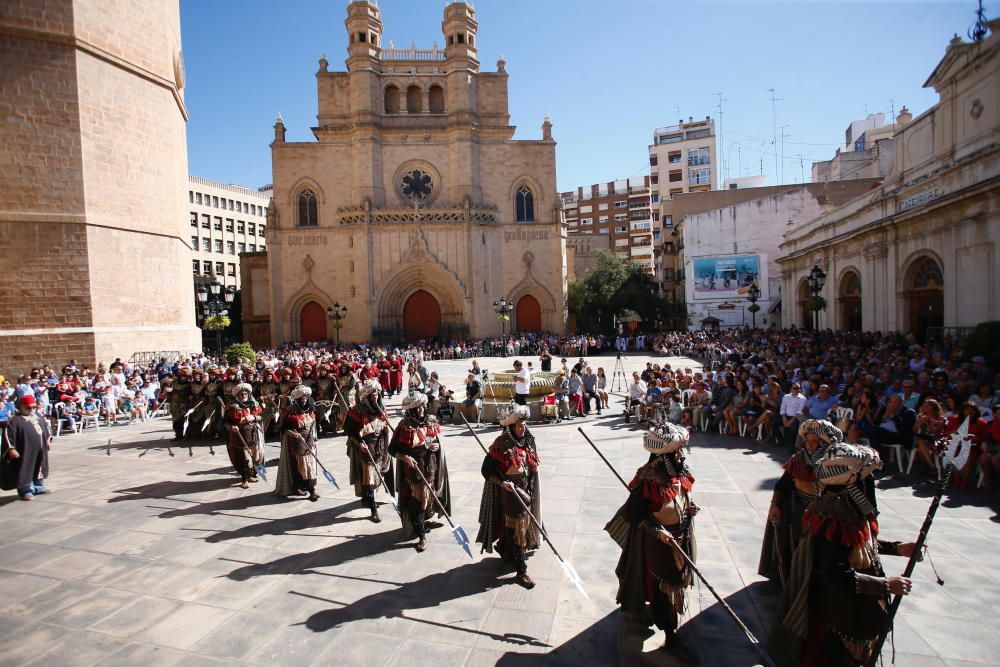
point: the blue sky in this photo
(607, 72)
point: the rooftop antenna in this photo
(802, 168)
(782, 136)
(774, 127)
(722, 144)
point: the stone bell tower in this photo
(364, 30)
(459, 27)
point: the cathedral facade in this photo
(414, 207)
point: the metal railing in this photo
(938, 334)
(144, 358)
(413, 54)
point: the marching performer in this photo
(368, 447)
(297, 462)
(795, 491)
(178, 394)
(246, 438)
(213, 400)
(510, 468)
(835, 605)
(269, 402)
(654, 522)
(396, 374)
(345, 382)
(416, 444)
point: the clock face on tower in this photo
(416, 185)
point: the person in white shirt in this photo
(636, 394)
(791, 405)
(522, 383)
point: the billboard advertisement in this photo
(725, 276)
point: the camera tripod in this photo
(619, 371)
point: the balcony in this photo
(413, 54)
(641, 251)
(641, 226)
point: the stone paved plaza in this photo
(139, 557)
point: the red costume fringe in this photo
(799, 470)
(658, 494)
(848, 533)
(515, 458)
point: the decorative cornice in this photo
(378, 216)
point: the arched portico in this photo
(403, 285)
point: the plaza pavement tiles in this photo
(139, 557)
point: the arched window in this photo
(392, 99)
(414, 103)
(437, 99)
(307, 208)
(926, 275)
(524, 205)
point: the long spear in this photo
(957, 454)
(694, 568)
(567, 567)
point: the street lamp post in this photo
(212, 303)
(752, 297)
(815, 281)
(503, 308)
(338, 314)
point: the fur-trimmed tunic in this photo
(410, 439)
(501, 516)
(649, 571)
(794, 492)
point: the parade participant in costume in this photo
(178, 394)
(368, 446)
(416, 444)
(24, 450)
(793, 493)
(233, 379)
(323, 394)
(345, 383)
(835, 603)
(307, 373)
(396, 374)
(511, 467)
(198, 400)
(213, 400)
(653, 523)
(269, 402)
(246, 440)
(289, 380)
(384, 375)
(297, 463)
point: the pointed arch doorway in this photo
(312, 323)
(421, 316)
(528, 314)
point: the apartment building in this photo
(868, 150)
(682, 159)
(622, 210)
(226, 220)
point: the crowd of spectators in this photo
(887, 389)
(74, 397)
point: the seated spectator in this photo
(910, 397)
(792, 405)
(698, 403)
(635, 396)
(68, 413)
(737, 407)
(984, 399)
(754, 407)
(989, 450)
(893, 425)
(927, 431)
(819, 405)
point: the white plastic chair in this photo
(162, 410)
(90, 420)
(57, 411)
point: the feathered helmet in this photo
(414, 401)
(823, 429)
(844, 464)
(244, 386)
(666, 438)
(369, 387)
(301, 391)
(519, 413)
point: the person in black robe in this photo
(653, 524)
(835, 604)
(24, 451)
(416, 445)
(511, 467)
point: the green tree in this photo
(239, 353)
(611, 287)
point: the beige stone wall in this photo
(94, 182)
